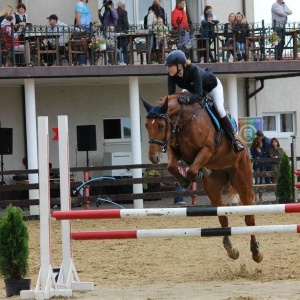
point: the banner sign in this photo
(248, 128)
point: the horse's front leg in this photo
(173, 168)
(202, 157)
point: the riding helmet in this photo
(175, 57)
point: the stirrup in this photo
(238, 146)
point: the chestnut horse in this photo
(186, 132)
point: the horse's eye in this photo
(161, 126)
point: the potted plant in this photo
(14, 251)
(273, 38)
(284, 188)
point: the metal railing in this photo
(68, 44)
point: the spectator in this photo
(153, 15)
(179, 18)
(275, 152)
(20, 14)
(228, 28)
(7, 11)
(257, 152)
(207, 9)
(123, 26)
(208, 32)
(162, 12)
(111, 38)
(266, 144)
(7, 35)
(179, 200)
(83, 20)
(280, 11)
(56, 27)
(83, 16)
(160, 31)
(241, 30)
(110, 15)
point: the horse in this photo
(185, 131)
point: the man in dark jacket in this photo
(123, 26)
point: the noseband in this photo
(155, 141)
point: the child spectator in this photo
(241, 30)
(208, 32)
(161, 31)
(20, 14)
(111, 40)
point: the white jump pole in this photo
(68, 277)
(46, 286)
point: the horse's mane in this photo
(173, 97)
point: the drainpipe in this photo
(244, 8)
(248, 95)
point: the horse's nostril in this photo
(154, 159)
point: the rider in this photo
(199, 81)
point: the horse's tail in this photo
(231, 193)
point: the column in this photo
(31, 133)
(135, 135)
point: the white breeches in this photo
(217, 95)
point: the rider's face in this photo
(173, 70)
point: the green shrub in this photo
(284, 186)
(14, 250)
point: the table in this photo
(131, 37)
(39, 47)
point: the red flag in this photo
(55, 130)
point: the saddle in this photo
(212, 111)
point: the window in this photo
(282, 124)
(117, 130)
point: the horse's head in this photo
(157, 127)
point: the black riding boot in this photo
(239, 57)
(203, 172)
(227, 126)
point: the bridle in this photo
(165, 142)
(174, 125)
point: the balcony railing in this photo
(68, 45)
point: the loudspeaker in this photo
(86, 138)
(6, 135)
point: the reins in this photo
(174, 125)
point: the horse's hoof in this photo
(257, 257)
(233, 254)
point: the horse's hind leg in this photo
(254, 245)
(213, 186)
(244, 187)
(233, 253)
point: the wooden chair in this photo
(202, 47)
(78, 45)
(222, 48)
(254, 47)
(172, 42)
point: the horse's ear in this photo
(146, 105)
(164, 107)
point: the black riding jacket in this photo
(195, 80)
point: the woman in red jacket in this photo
(179, 17)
